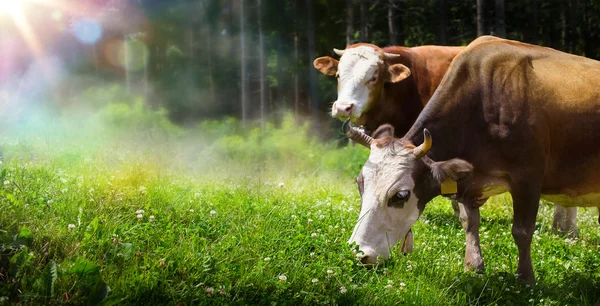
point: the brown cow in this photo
(389, 85)
(508, 116)
(392, 85)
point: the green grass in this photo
(217, 228)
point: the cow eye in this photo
(373, 79)
(399, 199)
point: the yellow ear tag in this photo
(449, 187)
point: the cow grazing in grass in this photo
(507, 117)
(392, 85)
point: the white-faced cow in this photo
(392, 85)
(507, 117)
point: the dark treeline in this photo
(252, 59)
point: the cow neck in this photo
(446, 124)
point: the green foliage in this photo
(137, 117)
(49, 276)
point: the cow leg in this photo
(457, 209)
(525, 207)
(565, 220)
(469, 218)
(559, 218)
(571, 223)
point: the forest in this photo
(252, 59)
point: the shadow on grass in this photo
(504, 289)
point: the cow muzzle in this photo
(341, 110)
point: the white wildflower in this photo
(213, 213)
(50, 202)
(143, 189)
(321, 217)
(151, 218)
(282, 278)
(313, 235)
(312, 254)
(281, 184)
(343, 290)
(402, 284)
(6, 182)
(192, 210)
(310, 221)
(314, 281)
(139, 211)
(294, 217)
(71, 226)
(329, 272)
(267, 259)
(210, 291)
(140, 216)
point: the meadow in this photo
(125, 208)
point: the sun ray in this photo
(29, 36)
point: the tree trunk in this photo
(391, 23)
(394, 22)
(127, 56)
(586, 31)
(296, 78)
(364, 35)
(349, 22)
(572, 36)
(443, 21)
(296, 60)
(500, 26)
(211, 77)
(279, 101)
(261, 56)
(312, 72)
(480, 18)
(534, 10)
(243, 76)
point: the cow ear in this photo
(327, 65)
(397, 73)
(384, 130)
(454, 169)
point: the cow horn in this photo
(356, 135)
(339, 52)
(421, 150)
(389, 56)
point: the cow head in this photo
(398, 179)
(361, 72)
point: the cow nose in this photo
(342, 110)
(366, 260)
